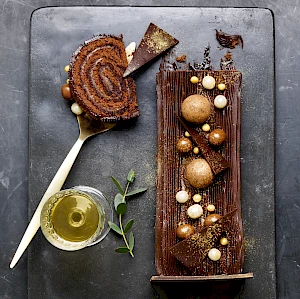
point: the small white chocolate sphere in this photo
(182, 196)
(208, 82)
(195, 211)
(76, 109)
(220, 101)
(214, 254)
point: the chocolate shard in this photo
(192, 251)
(215, 160)
(154, 42)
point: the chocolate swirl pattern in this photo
(96, 79)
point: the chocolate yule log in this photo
(173, 87)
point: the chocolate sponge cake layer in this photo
(96, 79)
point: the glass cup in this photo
(75, 218)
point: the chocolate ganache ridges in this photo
(96, 79)
(173, 86)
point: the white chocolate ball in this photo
(214, 254)
(197, 198)
(76, 109)
(196, 150)
(67, 68)
(208, 82)
(224, 241)
(195, 211)
(187, 134)
(182, 196)
(206, 127)
(221, 86)
(211, 208)
(220, 101)
(194, 79)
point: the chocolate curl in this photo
(215, 160)
(192, 251)
(229, 41)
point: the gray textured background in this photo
(14, 57)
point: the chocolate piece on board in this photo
(155, 42)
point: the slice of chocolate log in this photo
(96, 79)
(154, 42)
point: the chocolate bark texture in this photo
(173, 86)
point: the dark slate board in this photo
(98, 271)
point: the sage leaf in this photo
(122, 250)
(121, 208)
(118, 185)
(131, 176)
(128, 226)
(115, 228)
(118, 200)
(137, 191)
(131, 241)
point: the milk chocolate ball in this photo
(199, 173)
(217, 137)
(184, 145)
(196, 109)
(184, 231)
(66, 92)
(211, 219)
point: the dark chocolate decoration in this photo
(206, 63)
(96, 79)
(215, 160)
(154, 42)
(192, 251)
(229, 41)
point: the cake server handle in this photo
(55, 186)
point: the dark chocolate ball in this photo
(184, 145)
(217, 137)
(211, 219)
(184, 231)
(66, 92)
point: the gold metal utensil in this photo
(88, 127)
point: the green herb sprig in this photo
(121, 208)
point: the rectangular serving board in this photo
(98, 271)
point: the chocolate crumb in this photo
(181, 58)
